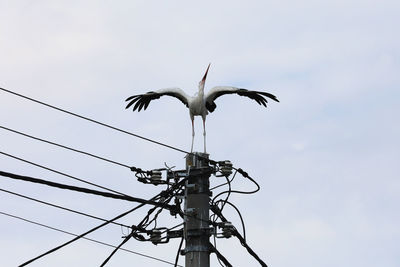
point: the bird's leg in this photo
(204, 133)
(191, 149)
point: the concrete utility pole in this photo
(197, 230)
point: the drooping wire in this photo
(229, 190)
(246, 175)
(60, 207)
(86, 238)
(240, 192)
(65, 147)
(93, 121)
(238, 212)
(61, 173)
(217, 186)
(215, 218)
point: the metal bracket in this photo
(196, 248)
(175, 234)
(200, 232)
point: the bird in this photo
(200, 104)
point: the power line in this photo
(126, 239)
(60, 207)
(172, 188)
(94, 121)
(83, 190)
(104, 124)
(140, 227)
(179, 251)
(216, 210)
(92, 240)
(61, 173)
(82, 235)
(125, 197)
(65, 147)
(220, 256)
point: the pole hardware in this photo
(199, 232)
(174, 234)
(155, 177)
(225, 168)
(155, 236)
(227, 229)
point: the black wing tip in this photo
(139, 101)
(269, 95)
(133, 99)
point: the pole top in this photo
(196, 160)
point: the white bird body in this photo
(200, 104)
(197, 106)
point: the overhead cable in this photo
(82, 235)
(61, 173)
(65, 147)
(60, 207)
(93, 121)
(83, 190)
(86, 238)
(172, 188)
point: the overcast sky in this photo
(326, 157)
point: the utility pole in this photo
(197, 230)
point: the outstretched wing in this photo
(218, 91)
(143, 101)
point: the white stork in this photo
(200, 104)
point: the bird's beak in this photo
(205, 75)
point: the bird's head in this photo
(203, 81)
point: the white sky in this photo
(326, 157)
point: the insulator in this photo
(155, 177)
(226, 168)
(155, 236)
(227, 229)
